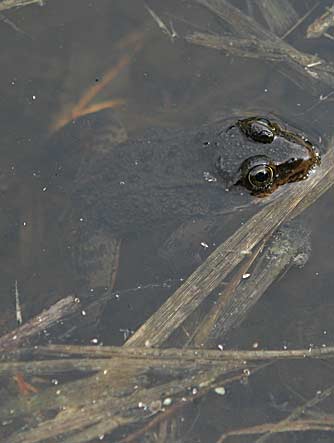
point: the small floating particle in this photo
(220, 390)
(167, 401)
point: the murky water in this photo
(50, 57)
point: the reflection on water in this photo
(67, 60)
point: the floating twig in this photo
(10, 4)
(20, 336)
(170, 32)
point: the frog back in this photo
(164, 175)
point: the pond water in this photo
(51, 55)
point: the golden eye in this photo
(261, 177)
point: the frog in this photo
(165, 181)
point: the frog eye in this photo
(258, 174)
(261, 176)
(260, 130)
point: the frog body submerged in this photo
(166, 177)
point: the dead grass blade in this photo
(240, 295)
(121, 393)
(326, 423)
(305, 70)
(279, 15)
(300, 411)
(20, 336)
(10, 4)
(293, 423)
(209, 323)
(187, 356)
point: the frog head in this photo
(260, 155)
